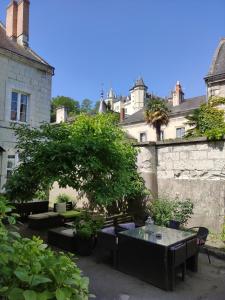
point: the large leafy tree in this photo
(86, 106)
(157, 114)
(208, 120)
(72, 105)
(91, 155)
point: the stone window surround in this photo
(143, 134)
(180, 127)
(19, 93)
(19, 87)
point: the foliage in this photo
(63, 198)
(91, 155)
(208, 120)
(86, 106)
(72, 105)
(29, 270)
(183, 211)
(223, 232)
(164, 210)
(157, 114)
(87, 225)
(134, 202)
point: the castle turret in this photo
(138, 95)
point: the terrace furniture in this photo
(107, 240)
(62, 238)
(44, 220)
(177, 261)
(28, 208)
(202, 235)
(70, 215)
(147, 252)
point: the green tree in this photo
(157, 114)
(86, 105)
(72, 105)
(91, 155)
(208, 120)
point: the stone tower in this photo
(138, 95)
(215, 79)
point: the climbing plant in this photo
(208, 120)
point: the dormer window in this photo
(19, 103)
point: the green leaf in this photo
(45, 295)
(23, 276)
(38, 279)
(61, 294)
(30, 295)
(16, 294)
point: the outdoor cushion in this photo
(70, 214)
(129, 225)
(52, 214)
(109, 230)
(39, 216)
(68, 232)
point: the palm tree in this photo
(157, 114)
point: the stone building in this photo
(134, 105)
(25, 84)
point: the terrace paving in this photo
(109, 284)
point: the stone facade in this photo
(189, 170)
(26, 76)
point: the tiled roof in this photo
(186, 106)
(13, 47)
(218, 63)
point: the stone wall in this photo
(23, 77)
(194, 170)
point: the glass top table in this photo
(159, 235)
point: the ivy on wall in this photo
(207, 120)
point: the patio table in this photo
(144, 254)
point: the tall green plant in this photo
(91, 155)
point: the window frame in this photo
(142, 133)
(19, 100)
(181, 135)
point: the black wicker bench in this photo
(62, 238)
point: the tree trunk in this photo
(158, 131)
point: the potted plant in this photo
(62, 200)
(85, 230)
(182, 212)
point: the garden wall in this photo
(188, 169)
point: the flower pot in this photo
(84, 246)
(61, 207)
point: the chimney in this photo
(61, 114)
(23, 22)
(177, 95)
(11, 20)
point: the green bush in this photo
(31, 271)
(87, 225)
(164, 210)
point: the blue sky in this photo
(113, 42)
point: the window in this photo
(180, 132)
(10, 165)
(143, 137)
(161, 135)
(19, 104)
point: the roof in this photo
(218, 63)
(185, 107)
(9, 45)
(139, 83)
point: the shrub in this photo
(87, 225)
(164, 210)
(63, 198)
(31, 271)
